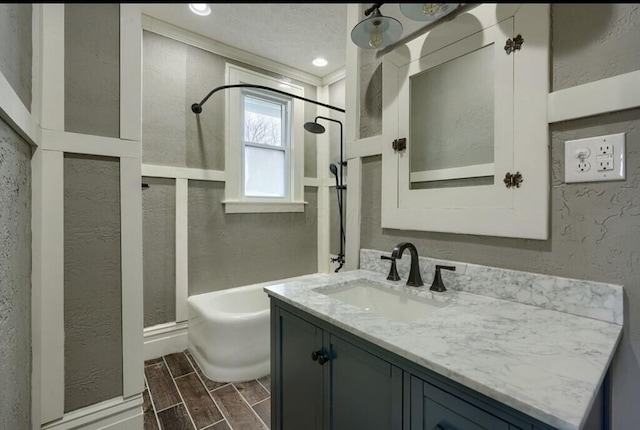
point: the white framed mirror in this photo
(473, 114)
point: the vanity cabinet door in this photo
(364, 391)
(297, 377)
(321, 381)
(435, 409)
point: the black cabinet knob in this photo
(438, 427)
(323, 359)
(315, 355)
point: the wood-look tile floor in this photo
(178, 396)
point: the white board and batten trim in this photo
(47, 272)
(36, 69)
(158, 171)
(323, 230)
(165, 339)
(48, 224)
(130, 72)
(365, 147)
(47, 316)
(182, 248)
(64, 141)
(131, 264)
(595, 98)
(16, 114)
(352, 83)
(52, 67)
(183, 174)
(323, 159)
(353, 214)
(172, 172)
(131, 197)
(115, 414)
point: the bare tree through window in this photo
(262, 129)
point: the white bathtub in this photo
(229, 333)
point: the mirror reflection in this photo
(451, 140)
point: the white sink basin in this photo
(381, 300)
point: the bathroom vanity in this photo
(355, 351)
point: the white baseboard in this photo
(165, 339)
(114, 414)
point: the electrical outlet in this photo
(605, 148)
(583, 166)
(604, 162)
(594, 159)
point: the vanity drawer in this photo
(435, 409)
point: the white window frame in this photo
(235, 201)
(285, 102)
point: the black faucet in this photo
(437, 284)
(414, 280)
(393, 272)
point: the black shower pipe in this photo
(340, 187)
(197, 107)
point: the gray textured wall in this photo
(177, 75)
(224, 250)
(15, 280)
(16, 48)
(231, 250)
(92, 280)
(594, 41)
(92, 68)
(159, 250)
(594, 226)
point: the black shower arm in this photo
(329, 119)
(197, 107)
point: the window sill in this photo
(243, 207)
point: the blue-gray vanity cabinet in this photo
(321, 381)
(432, 408)
(326, 378)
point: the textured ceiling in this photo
(288, 33)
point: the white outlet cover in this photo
(590, 146)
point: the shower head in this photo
(334, 169)
(314, 127)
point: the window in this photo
(264, 153)
(266, 146)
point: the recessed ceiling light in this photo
(320, 62)
(202, 9)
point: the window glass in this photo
(264, 172)
(263, 121)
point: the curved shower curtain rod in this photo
(197, 107)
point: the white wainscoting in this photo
(165, 339)
(114, 414)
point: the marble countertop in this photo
(544, 363)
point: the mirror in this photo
(451, 141)
(473, 112)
